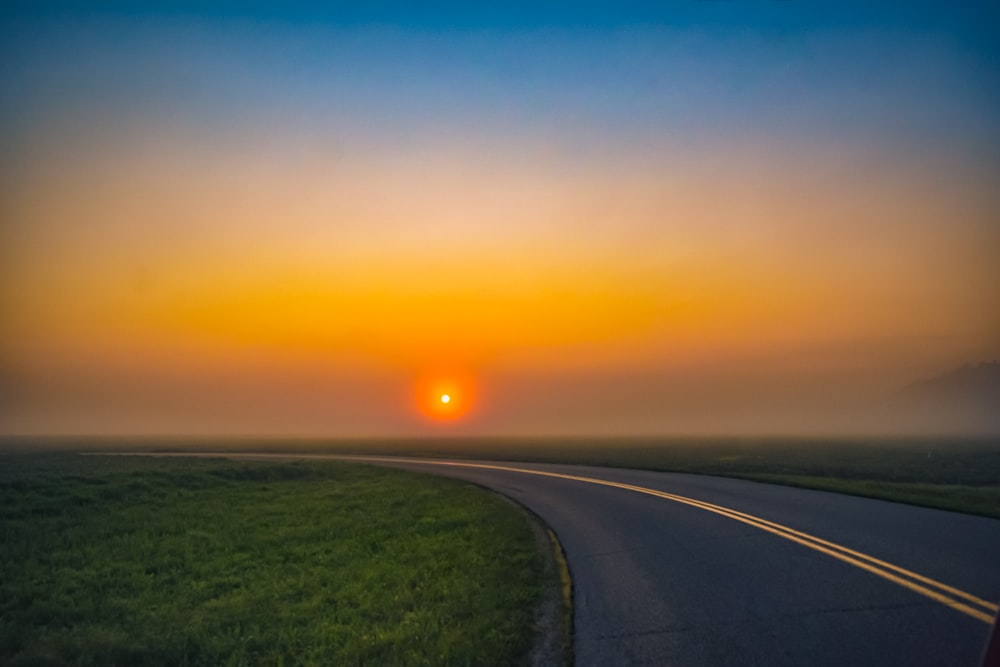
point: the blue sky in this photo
(911, 74)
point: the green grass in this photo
(126, 561)
(959, 474)
(983, 500)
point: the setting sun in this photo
(444, 396)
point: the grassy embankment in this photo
(107, 560)
(954, 474)
(961, 475)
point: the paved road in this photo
(667, 573)
(661, 582)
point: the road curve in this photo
(676, 569)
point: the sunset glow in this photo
(641, 224)
(445, 399)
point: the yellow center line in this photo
(860, 560)
(881, 563)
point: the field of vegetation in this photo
(962, 475)
(138, 561)
(959, 474)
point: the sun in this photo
(444, 397)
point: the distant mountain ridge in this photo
(966, 399)
(970, 381)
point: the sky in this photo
(572, 219)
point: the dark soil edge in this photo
(554, 616)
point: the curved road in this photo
(675, 569)
(661, 581)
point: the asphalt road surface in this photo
(676, 569)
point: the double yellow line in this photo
(966, 603)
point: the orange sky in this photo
(264, 280)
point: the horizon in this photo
(698, 221)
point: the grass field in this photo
(960, 474)
(128, 561)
